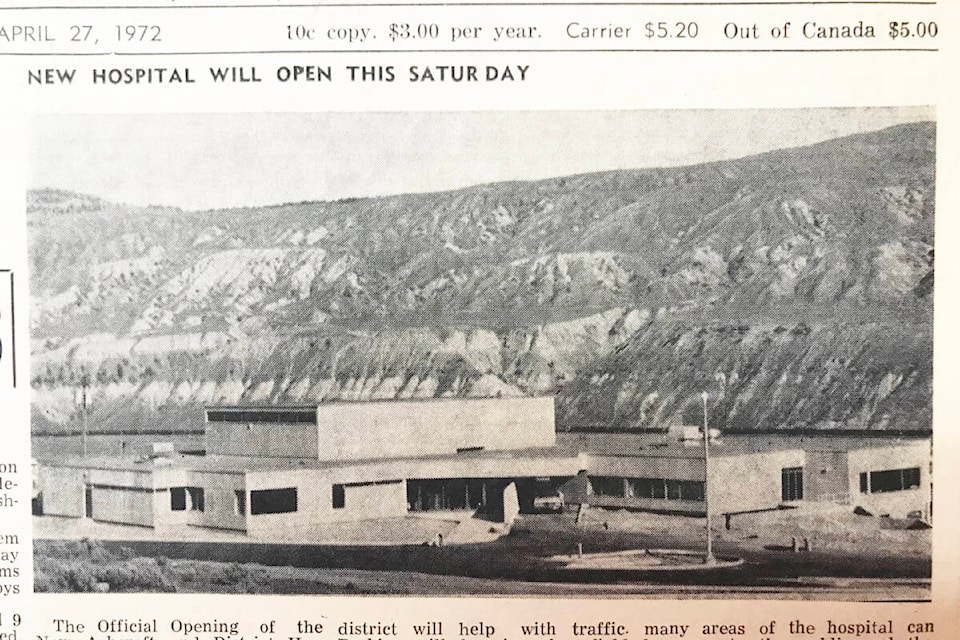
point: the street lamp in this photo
(83, 416)
(708, 557)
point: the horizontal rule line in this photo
(491, 4)
(415, 51)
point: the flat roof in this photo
(569, 446)
(239, 464)
(295, 407)
(669, 445)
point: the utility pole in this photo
(708, 557)
(83, 415)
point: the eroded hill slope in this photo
(796, 286)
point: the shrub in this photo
(136, 574)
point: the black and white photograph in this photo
(643, 354)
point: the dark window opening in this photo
(178, 499)
(186, 499)
(663, 489)
(674, 490)
(691, 490)
(659, 487)
(240, 502)
(196, 498)
(273, 501)
(894, 480)
(864, 483)
(645, 488)
(290, 416)
(454, 494)
(339, 496)
(607, 486)
(791, 484)
(469, 449)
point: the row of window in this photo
(654, 488)
(262, 501)
(890, 480)
(288, 416)
(266, 501)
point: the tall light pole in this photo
(83, 399)
(708, 557)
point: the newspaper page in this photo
(479, 320)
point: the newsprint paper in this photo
(479, 320)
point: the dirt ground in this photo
(830, 527)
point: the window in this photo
(645, 488)
(864, 483)
(196, 498)
(476, 449)
(893, 480)
(607, 486)
(339, 496)
(186, 499)
(178, 499)
(686, 490)
(279, 415)
(240, 502)
(659, 489)
(791, 484)
(662, 489)
(673, 489)
(691, 490)
(273, 501)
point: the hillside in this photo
(795, 285)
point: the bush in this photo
(58, 575)
(78, 566)
(136, 574)
(227, 575)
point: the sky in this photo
(203, 161)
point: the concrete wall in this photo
(888, 457)
(357, 431)
(126, 505)
(465, 466)
(315, 502)
(751, 481)
(825, 476)
(373, 489)
(261, 439)
(120, 496)
(164, 478)
(367, 501)
(376, 489)
(737, 482)
(62, 489)
(220, 503)
(667, 466)
(123, 496)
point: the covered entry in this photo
(456, 494)
(484, 495)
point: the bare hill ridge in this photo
(795, 285)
